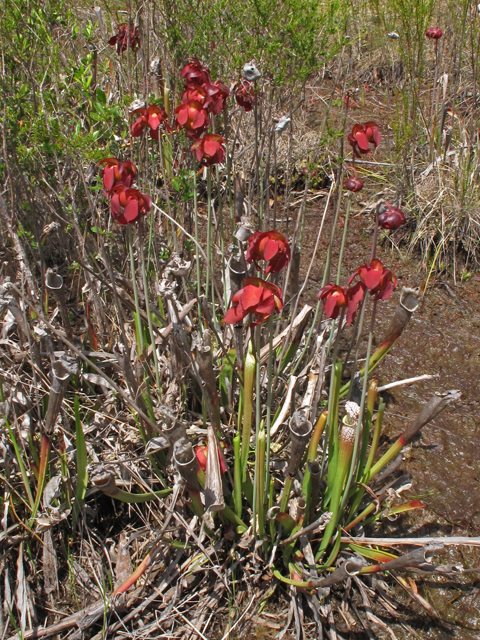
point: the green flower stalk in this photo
(403, 313)
(147, 305)
(138, 319)
(367, 423)
(373, 449)
(332, 423)
(237, 476)
(344, 237)
(376, 438)
(260, 482)
(248, 380)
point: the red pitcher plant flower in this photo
(270, 246)
(335, 298)
(151, 117)
(116, 172)
(128, 205)
(434, 33)
(197, 93)
(244, 94)
(192, 117)
(390, 217)
(353, 183)
(258, 297)
(195, 72)
(219, 94)
(378, 280)
(209, 149)
(212, 97)
(120, 39)
(361, 137)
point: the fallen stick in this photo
(401, 383)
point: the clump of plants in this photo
(257, 430)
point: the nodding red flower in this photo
(192, 117)
(219, 94)
(354, 183)
(378, 280)
(258, 297)
(150, 118)
(202, 451)
(209, 149)
(335, 298)
(128, 205)
(361, 137)
(390, 217)
(116, 172)
(270, 246)
(195, 72)
(197, 93)
(245, 94)
(120, 39)
(212, 97)
(434, 33)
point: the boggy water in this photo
(443, 338)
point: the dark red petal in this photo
(386, 291)
(200, 119)
(372, 279)
(352, 277)
(324, 290)
(331, 308)
(108, 178)
(115, 204)
(351, 312)
(130, 213)
(357, 292)
(182, 116)
(377, 138)
(210, 146)
(362, 141)
(234, 315)
(252, 296)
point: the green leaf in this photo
(100, 109)
(101, 97)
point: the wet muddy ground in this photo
(443, 339)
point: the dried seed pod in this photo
(60, 378)
(187, 465)
(300, 431)
(54, 284)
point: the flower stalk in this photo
(248, 381)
